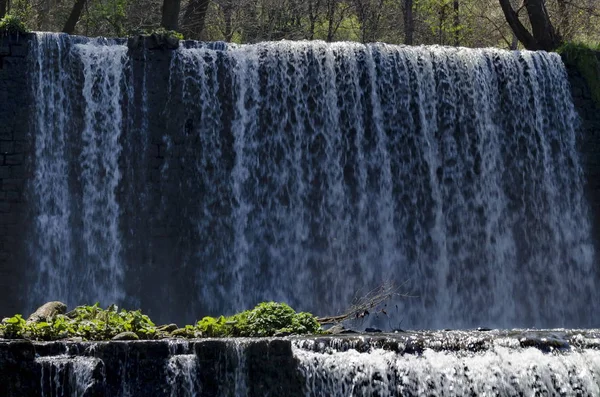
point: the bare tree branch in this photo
(364, 305)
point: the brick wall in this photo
(589, 142)
(15, 150)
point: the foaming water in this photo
(307, 172)
(501, 372)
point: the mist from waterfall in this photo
(308, 173)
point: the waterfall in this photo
(433, 363)
(68, 376)
(452, 364)
(206, 179)
(182, 377)
(77, 245)
(501, 372)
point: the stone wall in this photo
(589, 143)
(206, 368)
(15, 170)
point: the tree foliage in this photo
(12, 24)
(474, 23)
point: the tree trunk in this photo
(170, 14)
(313, 14)
(409, 22)
(227, 14)
(69, 27)
(330, 22)
(563, 18)
(3, 8)
(542, 35)
(517, 27)
(456, 23)
(193, 18)
(541, 27)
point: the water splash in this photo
(499, 372)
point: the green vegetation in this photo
(95, 323)
(12, 24)
(87, 322)
(584, 57)
(162, 32)
(266, 319)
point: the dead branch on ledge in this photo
(364, 305)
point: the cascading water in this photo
(182, 377)
(416, 363)
(501, 371)
(77, 242)
(68, 376)
(308, 172)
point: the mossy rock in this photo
(127, 335)
(584, 58)
(183, 333)
(47, 312)
(167, 328)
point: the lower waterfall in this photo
(500, 372)
(204, 179)
(427, 363)
(64, 376)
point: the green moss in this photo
(584, 58)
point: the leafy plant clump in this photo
(158, 32)
(95, 323)
(86, 322)
(584, 58)
(266, 319)
(12, 24)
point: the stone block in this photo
(13, 63)
(17, 171)
(5, 130)
(20, 146)
(5, 172)
(13, 184)
(19, 51)
(8, 218)
(4, 50)
(7, 147)
(5, 207)
(12, 196)
(14, 159)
